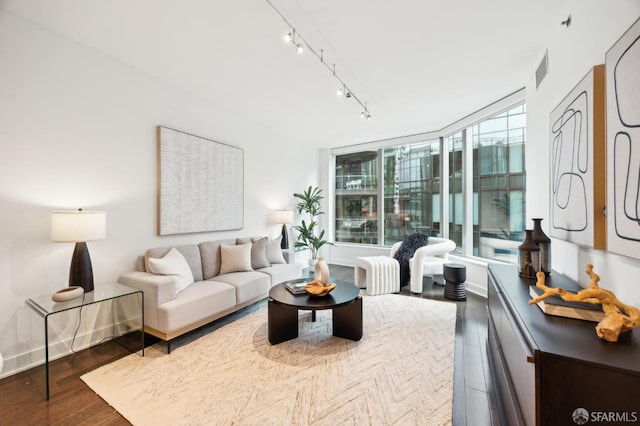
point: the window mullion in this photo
(380, 213)
(444, 189)
(467, 191)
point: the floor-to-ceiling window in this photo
(411, 190)
(383, 194)
(454, 146)
(499, 184)
(356, 192)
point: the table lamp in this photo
(79, 227)
(284, 217)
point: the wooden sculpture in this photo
(317, 288)
(618, 316)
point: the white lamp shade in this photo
(283, 216)
(78, 226)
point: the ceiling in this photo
(419, 64)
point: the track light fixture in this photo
(343, 91)
(300, 44)
(365, 113)
(290, 37)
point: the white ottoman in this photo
(378, 274)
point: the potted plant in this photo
(307, 238)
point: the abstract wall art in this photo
(577, 164)
(200, 184)
(623, 144)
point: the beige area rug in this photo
(400, 373)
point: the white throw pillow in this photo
(173, 263)
(274, 252)
(235, 258)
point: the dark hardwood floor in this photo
(73, 403)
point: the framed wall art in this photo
(577, 164)
(623, 144)
(201, 185)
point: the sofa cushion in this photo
(274, 252)
(190, 252)
(211, 258)
(235, 258)
(281, 272)
(259, 254)
(173, 263)
(201, 300)
(249, 285)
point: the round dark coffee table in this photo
(344, 301)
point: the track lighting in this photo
(290, 37)
(343, 91)
(300, 46)
(365, 113)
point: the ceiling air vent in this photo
(541, 72)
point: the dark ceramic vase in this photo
(528, 256)
(544, 242)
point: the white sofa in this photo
(170, 312)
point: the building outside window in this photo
(410, 189)
(455, 144)
(499, 184)
(356, 190)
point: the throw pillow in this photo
(274, 252)
(259, 254)
(410, 244)
(173, 263)
(235, 258)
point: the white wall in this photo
(78, 129)
(573, 51)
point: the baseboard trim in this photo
(28, 357)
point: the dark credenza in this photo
(545, 368)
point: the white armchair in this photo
(427, 260)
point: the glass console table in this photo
(126, 311)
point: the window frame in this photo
(466, 126)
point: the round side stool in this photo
(455, 276)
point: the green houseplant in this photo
(310, 204)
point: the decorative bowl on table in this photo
(316, 288)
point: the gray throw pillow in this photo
(274, 252)
(259, 254)
(235, 258)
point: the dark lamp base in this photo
(81, 272)
(284, 244)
